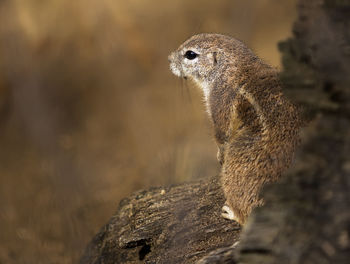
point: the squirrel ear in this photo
(215, 61)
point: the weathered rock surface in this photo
(177, 224)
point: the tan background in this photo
(89, 111)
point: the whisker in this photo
(188, 93)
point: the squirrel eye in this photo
(190, 55)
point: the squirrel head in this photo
(205, 58)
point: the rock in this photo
(177, 224)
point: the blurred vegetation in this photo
(89, 111)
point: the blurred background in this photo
(89, 111)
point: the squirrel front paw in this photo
(228, 213)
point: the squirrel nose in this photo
(171, 57)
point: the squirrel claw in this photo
(228, 213)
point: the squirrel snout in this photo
(171, 57)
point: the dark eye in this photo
(190, 55)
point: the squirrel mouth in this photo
(177, 70)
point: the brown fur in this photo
(256, 127)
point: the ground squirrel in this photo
(256, 127)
